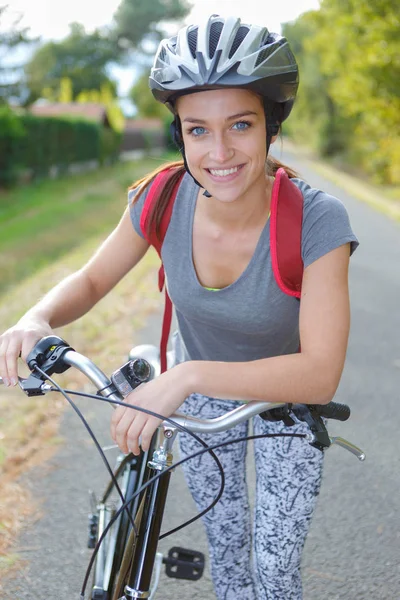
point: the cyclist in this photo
(230, 86)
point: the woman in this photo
(230, 86)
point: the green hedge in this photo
(37, 144)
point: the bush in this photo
(110, 145)
(11, 132)
(38, 144)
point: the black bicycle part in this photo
(48, 355)
(93, 526)
(137, 475)
(312, 414)
(333, 410)
(144, 486)
(149, 532)
(207, 449)
(78, 412)
(281, 413)
(196, 454)
(184, 564)
(155, 509)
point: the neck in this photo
(246, 211)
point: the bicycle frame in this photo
(151, 502)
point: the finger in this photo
(3, 365)
(134, 433)
(11, 359)
(148, 431)
(122, 428)
(28, 343)
(115, 419)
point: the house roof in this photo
(91, 110)
(143, 123)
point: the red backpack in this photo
(285, 239)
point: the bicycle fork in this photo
(150, 524)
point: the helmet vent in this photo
(240, 35)
(192, 40)
(215, 34)
(262, 56)
(162, 54)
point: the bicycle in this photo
(125, 525)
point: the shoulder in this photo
(326, 223)
(136, 207)
(317, 201)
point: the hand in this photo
(19, 341)
(162, 395)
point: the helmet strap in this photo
(176, 133)
(273, 119)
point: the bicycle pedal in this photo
(184, 564)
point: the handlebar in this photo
(55, 355)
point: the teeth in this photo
(223, 172)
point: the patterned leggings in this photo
(288, 477)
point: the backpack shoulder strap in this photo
(156, 187)
(153, 195)
(285, 234)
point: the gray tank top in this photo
(251, 318)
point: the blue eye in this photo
(242, 125)
(197, 131)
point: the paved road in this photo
(353, 550)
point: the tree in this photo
(138, 20)
(10, 39)
(80, 57)
(144, 101)
(316, 118)
(359, 48)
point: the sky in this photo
(50, 18)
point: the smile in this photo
(224, 172)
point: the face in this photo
(224, 134)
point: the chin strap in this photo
(176, 133)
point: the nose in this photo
(221, 150)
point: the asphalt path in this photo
(353, 549)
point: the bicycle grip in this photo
(333, 410)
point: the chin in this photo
(225, 196)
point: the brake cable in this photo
(126, 503)
(206, 448)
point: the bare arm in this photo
(75, 295)
(311, 376)
(79, 292)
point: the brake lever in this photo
(339, 441)
(34, 385)
(319, 437)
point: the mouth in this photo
(225, 174)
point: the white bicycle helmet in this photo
(223, 52)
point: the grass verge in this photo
(29, 426)
(41, 222)
(385, 199)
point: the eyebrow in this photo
(231, 118)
